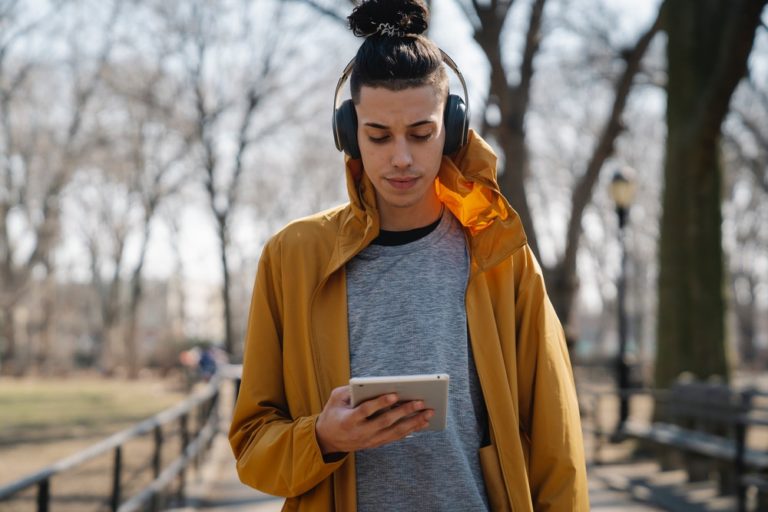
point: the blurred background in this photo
(148, 149)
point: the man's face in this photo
(401, 138)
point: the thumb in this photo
(341, 395)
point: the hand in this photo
(342, 428)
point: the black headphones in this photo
(455, 116)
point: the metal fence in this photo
(195, 421)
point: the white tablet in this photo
(431, 389)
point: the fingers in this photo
(374, 405)
(399, 413)
(402, 428)
(373, 423)
(383, 412)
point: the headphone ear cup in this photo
(345, 129)
(456, 124)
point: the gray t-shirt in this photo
(406, 310)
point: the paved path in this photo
(218, 489)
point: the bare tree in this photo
(230, 117)
(38, 162)
(104, 216)
(158, 145)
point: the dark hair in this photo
(395, 55)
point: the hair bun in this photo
(394, 18)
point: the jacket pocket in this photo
(494, 479)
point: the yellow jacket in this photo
(297, 351)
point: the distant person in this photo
(207, 363)
(425, 270)
(189, 360)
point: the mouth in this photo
(402, 183)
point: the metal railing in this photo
(195, 441)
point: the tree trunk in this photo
(47, 328)
(7, 342)
(229, 341)
(707, 50)
(513, 102)
(131, 341)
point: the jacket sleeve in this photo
(549, 411)
(276, 453)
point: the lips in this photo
(402, 183)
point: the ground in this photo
(43, 421)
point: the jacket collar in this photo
(466, 184)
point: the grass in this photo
(42, 421)
(40, 410)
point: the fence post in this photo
(746, 397)
(43, 495)
(210, 418)
(157, 463)
(597, 428)
(157, 457)
(739, 466)
(116, 477)
(184, 442)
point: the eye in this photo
(422, 137)
(378, 140)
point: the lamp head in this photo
(622, 188)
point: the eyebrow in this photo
(413, 125)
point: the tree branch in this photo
(48, 227)
(755, 165)
(582, 193)
(532, 44)
(324, 10)
(469, 13)
(731, 67)
(253, 99)
(25, 29)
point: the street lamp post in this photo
(622, 192)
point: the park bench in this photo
(709, 424)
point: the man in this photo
(426, 270)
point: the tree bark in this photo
(708, 46)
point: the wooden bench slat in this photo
(704, 444)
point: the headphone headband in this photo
(348, 71)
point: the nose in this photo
(401, 155)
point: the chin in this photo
(403, 202)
